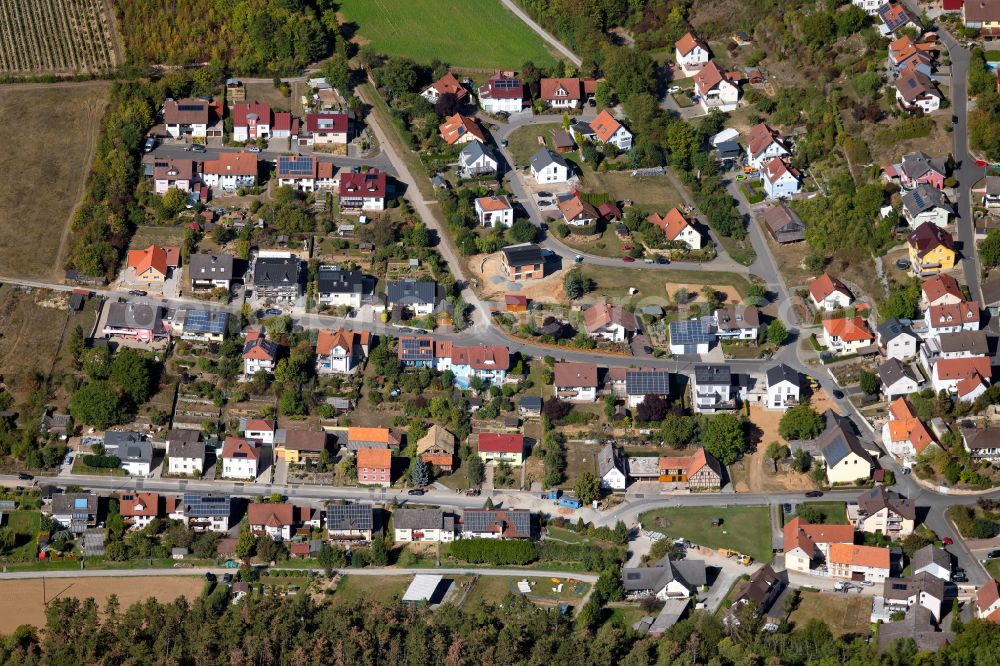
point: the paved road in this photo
(555, 43)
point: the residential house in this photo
(923, 590)
(298, 446)
(918, 624)
(953, 318)
(500, 447)
(530, 406)
(132, 448)
(784, 387)
(692, 336)
(578, 213)
(984, 16)
(139, 509)
(152, 265)
(849, 335)
(185, 452)
(761, 590)
(610, 470)
(897, 340)
(341, 351)
(174, 175)
(369, 438)
(714, 389)
(940, 289)
(716, 89)
(240, 459)
(437, 448)
(477, 159)
(845, 458)
(869, 6)
(305, 173)
(966, 344)
(737, 322)
(677, 228)
(863, 563)
(446, 85)
(640, 384)
(933, 561)
(763, 145)
(881, 511)
(894, 17)
(988, 601)
(548, 167)
(566, 93)
(259, 354)
(276, 277)
(918, 168)
(350, 522)
(488, 363)
(363, 190)
(423, 525)
(780, 179)
(329, 129)
(925, 204)
(501, 94)
(494, 210)
(690, 54)
(276, 520)
(829, 293)
(375, 467)
(204, 512)
(496, 524)
(135, 321)
(576, 382)
(211, 271)
(784, 225)
(607, 129)
(251, 121)
(523, 262)
(261, 431)
(284, 126)
(609, 322)
(200, 325)
(967, 378)
(417, 298)
(982, 443)
(667, 579)
(76, 512)
(230, 171)
(699, 471)
(186, 117)
(806, 547)
(897, 379)
(915, 91)
(991, 192)
(342, 288)
(459, 129)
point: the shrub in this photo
(490, 551)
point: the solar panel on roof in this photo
(190, 107)
(206, 505)
(690, 331)
(203, 321)
(647, 383)
(349, 516)
(295, 166)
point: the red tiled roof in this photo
(961, 368)
(270, 515)
(492, 442)
(708, 77)
(576, 374)
(239, 164)
(370, 184)
(777, 168)
(861, 556)
(941, 285)
(604, 313)
(825, 285)
(672, 224)
(759, 138)
(194, 112)
(139, 504)
(853, 329)
(283, 121)
(492, 90)
(605, 125)
(988, 595)
(328, 340)
(481, 357)
(259, 425)
(687, 43)
(953, 314)
(927, 237)
(493, 203)
(448, 84)
(154, 257)
(234, 445)
(327, 122)
(570, 88)
(243, 110)
(799, 534)
(457, 126)
(374, 458)
(905, 426)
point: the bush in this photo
(106, 462)
(490, 551)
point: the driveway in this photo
(280, 472)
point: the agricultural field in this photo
(50, 153)
(461, 33)
(56, 37)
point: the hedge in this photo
(493, 551)
(108, 462)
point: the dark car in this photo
(786, 507)
(543, 194)
(954, 120)
(24, 476)
(814, 493)
(415, 491)
(227, 578)
(137, 292)
(838, 394)
(902, 263)
(210, 577)
(959, 576)
(272, 312)
(993, 555)
(662, 260)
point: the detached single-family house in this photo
(548, 167)
(894, 17)
(640, 384)
(459, 129)
(905, 54)
(897, 379)
(489, 363)
(917, 168)
(714, 389)
(988, 599)
(737, 322)
(185, 452)
(607, 129)
(496, 524)
(493, 210)
(806, 547)
(251, 121)
(261, 431)
(152, 265)
(446, 85)
(240, 459)
(931, 249)
(305, 173)
(230, 171)
(423, 525)
(259, 354)
(375, 467)
(350, 522)
(610, 470)
(204, 511)
(135, 321)
(75, 511)
(609, 322)
(953, 318)
(784, 225)
(328, 129)
(576, 382)
(763, 145)
(501, 94)
(523, 262)
(139, 509)
(187, 116)
(870, 7)
(211, 271)
(716, 89)
(667, 579)
(342, 288)
(845, 458)
(926, 204)
(881, 511)
(922, 590)
(849, 335)
(699, 471)
(200, 325)
(477, 159)
(933, 561)
(363, 190)
(341, 351)
(692, 336)
(417, 298)
(982, 443)
(437, 448)
(677, 228)
(566, 93)
(690, 54)
(761, 590)
(784, 387)
(851, 562)
(174, 175)
(896, 339)
(578, 213)
(915, 91)
(500, 447)
(276, 520)
(780, 179)
(940, 290)
(967, 378)
(829, 293)
(298, 446)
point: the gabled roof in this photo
(736, 317)
(327, 341)
(139, 316)
(919, 163)
(411, 292)
(953, 314)
(509, 523)
(284, 121)
(481, 357)
(713, 375)
(231, 164)
(565, 89)
(894, 370)
(526, 254)
(782, 219)
(492, 442)
(421, 519)
(244, 112)
(893, 328)
(436, 439)
(153, 257)
(928, 555)
(473, 151)
(940, 285)
(493, 203)
(607, 460)
(575, 208)
(309, 441)
(502, 87)
(331, 280)
(139, 504)
(237, 447)
(913, 84)
(800, 534)
(377, 458)
(260, 349)
(859, 556)
(689, 573)
(893, 16)
(350, 516)
(837, 442)
(878, 498)
(687, 43)
(782, 373)
(448, 84)
(955, 369)
(991, 292)
(603, 314)
(174, 170)
(672, 224)
(853, 329)
(923, 198)
(824, 285)
(266, 514)
(760, 137)
(457, 126)
(576, 374)
(187, 111)
(973, 343)
(207, 266)
(605, 125)
(336, 123)
(359, 434)
(777, 169)
(545, 157)
(708, 77)
(371, 184)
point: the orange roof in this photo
(686, 44)
(777, 168)
(953, 314)
(565, 89)
(240, 164)
(449, 84)
(854, 329)
(673, 223)
(605, 126)
(825, 285)
(988, 595)
(799, 534)
(493, 203)
(238, 445)
(577, 208)
(708, 77)
(139, 504)
(378, 458)
(859, 556)
(368, 435)
(258, 425)
(154, 257)
(457, 126)
(941, 285)
(328, 340)
(438, 459)
(905, 426)
(969, 384)
(270, 515)
(759, 138)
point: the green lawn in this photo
(744, 528)
(462, 33)
(381, 588)
(993, 568)
(834, 513)
(25, 525)
(615, 282)
(844, 614)
(493, 589)
(609, 245)
(523, 142)
(649, 193)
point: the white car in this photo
(673, 89)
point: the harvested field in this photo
(23, 601)
(50, 153)
(57, 37)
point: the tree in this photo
(477, 470)
(555, 409)
(330, 558)
(7, 539)
(679, 430)
(609, 407)
(989, 249)
(522, 231)
(575, 284)
(712, 300)
(621, 533)
(776, 332)
(652, 408)
(378, 554)
(602, 95)
(775, 451)
(724, 437)
(756, 294)
(587, 488)
(246, 543)
(869, 382)
(801, 422)
(76, 344)
(98, 404)
(399, 75)
(130, 372)
(447, 104)
(419, 476)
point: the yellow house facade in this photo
(931, 250)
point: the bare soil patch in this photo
(757, 476)
(493, 283)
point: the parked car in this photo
(253, 149)
(150, 144)
(415, 491)
(786, 507)
(544, 202)
(137, 292)
(662, 260)
(954, 120)
(947, 541)
(579, 259)
(838, 394)
(273, 312)
(628, 260)
(24, 476)
(993, 555)
(198, 148)
(959, 576)
(814, 493)
(673, 89)
(981, 163)
(210, 577)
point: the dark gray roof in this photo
(206, 505)
(276, 271)
(422, 519)
(972, 342)
(527, 254)
(187, 449)
(837, 441)
(510, 523)
(760, 587)
(737, 317)
(991, 291)
(982, 438)
(903, 588)
(183, 435)
(331, 280)
(607, 460)
(141, 451)
(531, 402)
(917, 163)
(878, 498)
(134, 315)
(923, 198)
(782, 373)
(68, 503)
(893, 370)
(928, 555)
(918, 625)
(891, 329)
(115, 439)
(211, 266)
(411, 292)
(713, 375)
(728, 149)
(350, 516)
(544, 157)
(690, 573)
